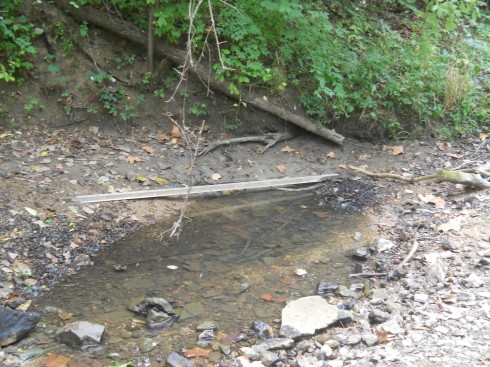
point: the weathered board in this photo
(182, 191)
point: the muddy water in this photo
(233, 252)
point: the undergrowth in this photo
(401, 65)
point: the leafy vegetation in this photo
(16, 34)
(400, 65)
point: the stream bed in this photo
(238, 259)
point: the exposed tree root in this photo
(269, 139)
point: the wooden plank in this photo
(181, 191)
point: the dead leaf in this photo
(439, 202)
(397, 149)
(216, 176)
(251, 163)
(282, 168)
(132, 159)
(31, 211)
(331, 155)
(53, 360)
(288, 281)
(266, 297)
(148, 149)
(343, 166)
(93, 129)
(163, 136)
(382, 336)
(161, 181)
(483, 136)
(65, 316)
(321, 214)
(279, 300)
(197, 352)
(443, 145)
(452, 298)
(175, 132)
(287, 149)
(453, 224)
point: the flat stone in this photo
(279, 343)
(377, 316)
(391, 327)
(369, 339)
(81, 334)
(436, 273)
(176, 360)
(309, 361)
(384, 244)
(15, 325)
(269, 358)
(305, 316)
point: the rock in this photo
(81, 334)
(380, 293)
(391, 327)
(399, 272)
(435, 273)
(326, 288)
(421, 297)
(192, 309)
(269, 358)
(345, 316)
(158, 304)
(325, 352)
(15, 325)
(361, 253)
(262, 329)
(157, 320)
(384, 244)
(377, 316)
(473, 281)
(309, 361)
(279, 343)
(176, 360)
(369, 339)
(306, 315)
(251, 353)
(207, 325)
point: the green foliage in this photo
(61, 36)
(199, 109)
(112, 98)
(33, 103)
(16, 34)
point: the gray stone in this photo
(377, 316)
(380, 293)
(279, 343)
(325, 352)
(473, 281)
(158, 304)
(176, 360)
(353, 339)
(157, 320)
(15, 325)
(308, 361)
(251, 353)
(369, 339)
(306, 315)
(391, 327)
(81, 334)
(436, 273)
(269, 358)
(384, 244)
(421, 297)
(302, 346)
(345, 316)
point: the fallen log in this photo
(136, 35)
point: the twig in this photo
(270, 139)
(391, 175)
(407, 258)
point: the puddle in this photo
(232, 251)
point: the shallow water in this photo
(232, 250)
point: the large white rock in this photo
(305, 316)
